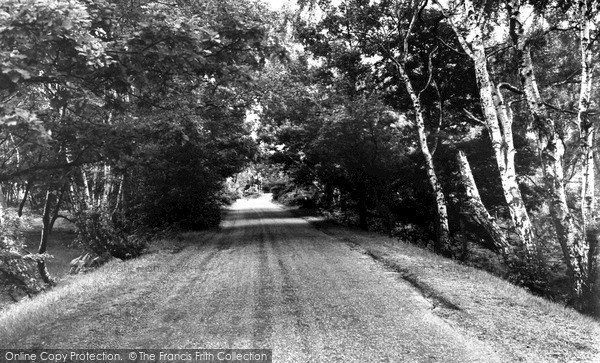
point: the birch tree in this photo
(475, 211)
(385, 30)
(577, 245)
(382, 39)
(468, 22)
(572, 228)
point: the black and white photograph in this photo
(300, 181)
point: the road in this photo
(269, 280)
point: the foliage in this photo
(328, 125)
(136, 109)
(98, 232)
(145, 113)
(18, 268)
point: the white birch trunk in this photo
(497, 118)
(573, 243)
(108, 185)
(87, 196)
(475, 211)
(3, 208)
(586, 127)
(583, 252)
(443, 230)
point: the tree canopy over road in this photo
(468, 127)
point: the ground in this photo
(267, 279)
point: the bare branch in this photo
(560, 109)
(429, 71)
(510, 87)
(474, 118)
(449, 46)
(567, 80)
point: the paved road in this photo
(269, 280)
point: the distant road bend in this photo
(270, 280)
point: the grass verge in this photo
(85, 291)
(508, 317)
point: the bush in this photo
(344, 218)
(98, 232)
(18, 268)
(228, 194)
(279, 189)
(413, 233)
(531, 272)
(305, 197)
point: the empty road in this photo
(265, 280)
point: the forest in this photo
(467, 127)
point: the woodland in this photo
(468, 127)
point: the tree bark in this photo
(474, 210)
(3, 208)
(583, 253)
(443, 230)
(24, 200)
(586, 126)
(49, 216)
(497, 117)
(575, 246)
(42, 248)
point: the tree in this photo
(526, 29)
(385, 30)
(468, 22)
(99, 96)
(578, 247)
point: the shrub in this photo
(100, 233)
(305, 197)
(228, 194)
(18, 267)
(531, 272)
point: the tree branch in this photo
(510, 87)
(560, 109)
(474, 118)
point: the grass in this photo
(83, 291)
(506, 316)
(72, 291)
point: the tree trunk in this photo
(475, 212)
(497, 117)
(87, 195)
(504, 150)
(49, 216)
(574, 244)
(42, 248)
(583, 252)
(24, 200)
(3, 207)
(443, 230)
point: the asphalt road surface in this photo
(269, 280)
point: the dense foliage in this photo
(128, 115)
(467, 127)
(384, 96)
